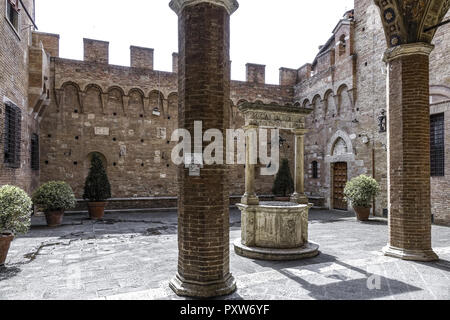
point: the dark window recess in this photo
(437, 145)
(35, 152)
(12, 13)
(315, 170)
(13, 117)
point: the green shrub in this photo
(97, 187)
(283, 185)
(54, 196)
(361, 191)
(15, 210)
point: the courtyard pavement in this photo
(133, 256)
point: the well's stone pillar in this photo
(204, 95)
(299, 193)
(409, 152)
(250, 197)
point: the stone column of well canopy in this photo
(250, 198)
(409, 152)
(204, 95)
(299, 195)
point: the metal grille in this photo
(13, 117)
(437, 145)
(35, 152)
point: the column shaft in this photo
(409, 153)
(204, 95)
(250, 197)
(299, 181)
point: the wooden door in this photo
(339, 181)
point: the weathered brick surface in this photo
(204, 88)
(14, 62)
(409, 158)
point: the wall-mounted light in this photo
(282, 141)
(156, 112)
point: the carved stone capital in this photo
(178, 5)
(418, 48)
(299, 132)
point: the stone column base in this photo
(412, 255)
(250, 200)
(309, 250)
(299, 198)
(185, 288)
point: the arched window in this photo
(315, 170)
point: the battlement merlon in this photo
(96, 51)
(255, 73)
(141, 57)
(50, 42)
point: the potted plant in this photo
(283, 186)
(54, 198)
(361, 192)
(97, 188)
(15, 216)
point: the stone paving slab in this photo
(133, 256)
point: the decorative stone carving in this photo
(178, 5)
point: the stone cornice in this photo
(178, 5)
(419, 48)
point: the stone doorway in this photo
(339, 181)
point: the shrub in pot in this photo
(15, 216)
(97, 188)
(361, 191)
(54, 198)
(283, 186)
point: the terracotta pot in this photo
(96, 210)
(54, 218)
(282, 199)
(5, 242)
(362, 213)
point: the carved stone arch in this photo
(342, 94)
(136, 103)
(409, 21)
(340, 140)
(62, 94)
(297, 104)
(172, 110)
(316, 100)
(93, 99)
(306, 103)
(156, 102)
(116, 101)
(328, 103)
(241, 102)
(439, 93)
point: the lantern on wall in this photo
(382, 121)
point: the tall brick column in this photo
(409, 152)
(204, 95)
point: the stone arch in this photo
(342, 48)
(297, 104)
(439, 93)
(306, 103)
(172, 110)
(71, 96)
(136, 103)
(343, 99)
(115, 105)
(340, 148)
(93, 100)
(316, 104)
(156, 101)
(241, 102)
(328, 104)
(88, 159)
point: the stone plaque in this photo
(101, 131)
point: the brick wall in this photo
(14, 60)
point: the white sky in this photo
(277, 33)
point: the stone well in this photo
(275, 230)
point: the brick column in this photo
(299, 192)
(204, 95)
(409, 152)
(250, 197)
